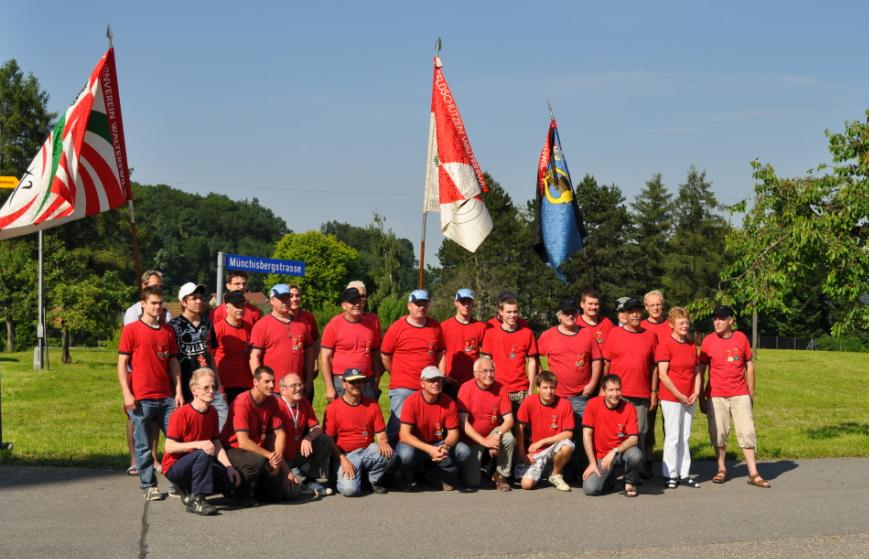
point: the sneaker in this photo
(174, 491)
(501, 483)
(198, 505)
(559, 482)
(153, 494)
(378, 489)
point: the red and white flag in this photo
(81, 169)
(454, 182)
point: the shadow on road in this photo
(706, 469)
(19, 475)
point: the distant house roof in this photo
(255, 298)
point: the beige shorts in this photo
(719, 416)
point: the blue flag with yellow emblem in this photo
(560, 231)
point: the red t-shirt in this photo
(546, 420)
(353, 427)
(682, 357)
(430, 421)
(296, 426)
(283, 345)
(352, 343)
(232, 355)
(485, 408)
(258, 420)
(660, 329)
(726, 358)
(186, 425)
(632, 356)
(150, 350)
(601, 329)
(569, 357)
(508, 351)
(462, 342)
(308, 318)
(412, 348)
(611, 426)
(250, 315)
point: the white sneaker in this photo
(153, 494)
(559, 482)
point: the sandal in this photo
(691, 482)
(132, 471)
(630, 491)
(758, 481)
(720, 477)
(672, 483)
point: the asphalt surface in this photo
(816, 508)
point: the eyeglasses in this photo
(355, 382)
(209, 388)
(465, 302)
(433, 380)
(486, 371)
(294, 385)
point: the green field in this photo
(808, 405)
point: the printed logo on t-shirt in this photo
(494, 415)
(471, 345)
(366, 348)
(431, 351)
(513, 352)
(621, 431)
(439, 431)
(554, 424)
(580, 360)
(734, 354)
(297, 343)
(163, 352)
(599, 336)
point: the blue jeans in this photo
(220, 405)
(632, 460)
(368, 460)
(367, 388)
(449, 467)
(144, 413)
(397, 396)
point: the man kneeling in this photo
(550, 422)
(610, 435)
(194, 459)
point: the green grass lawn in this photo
(808, 405)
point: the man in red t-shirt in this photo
(411, 343)
(463, 338)
(279, 341)
(629, 352)
(727, 355)
(656, 322)
(486, 418)
(232, 355)
(589, 302)
(610, 436)
(236, 280)
(430, 431)
(354, 422)
(152, 388)
(254, 439)
(307, 449)
(194, 460)
(351, 340)
(514, 350)
(298, 314)
(547, 422)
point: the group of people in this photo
(232, 392)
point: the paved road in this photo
(816, 508)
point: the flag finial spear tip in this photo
(438, 46)
(549, 106)
(109, 34)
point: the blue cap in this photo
(464, 293)
(418, 295)
(279, 289)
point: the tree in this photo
(17, 290)
(329, 265)
(696, 255)
(805, 232)
(24, 118)
(652, 227)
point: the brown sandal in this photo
(720, 477)
(758, 481)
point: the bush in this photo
(853, 341)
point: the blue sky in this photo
(320, 110)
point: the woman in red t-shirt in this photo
(679, 387)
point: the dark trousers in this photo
(231, 393)
(257, 480)
(198, 473)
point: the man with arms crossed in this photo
(463, 338)
(279, 341)
(232, 355)
(514, 350)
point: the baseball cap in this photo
(632, 304)
(190, 288)
(620, 303)
(279, 289)
(418, 296)
(567, 306)
(464, 293)
(722, 311)
(350, 294)
(431, 372)
(349, 375)
(235, 298)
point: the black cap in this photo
(235, 298)
(350, 294)
(631, 305)
(567, 306)
(349, 375)
(722, 311)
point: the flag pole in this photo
(421, 277)
(137, 255)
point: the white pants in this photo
(677, 431)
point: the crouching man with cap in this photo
(356, 425)
(610, 435)
(430, 431)
(194, 459)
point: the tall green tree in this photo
(652, 227)
(808, 232)
(696, 254)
